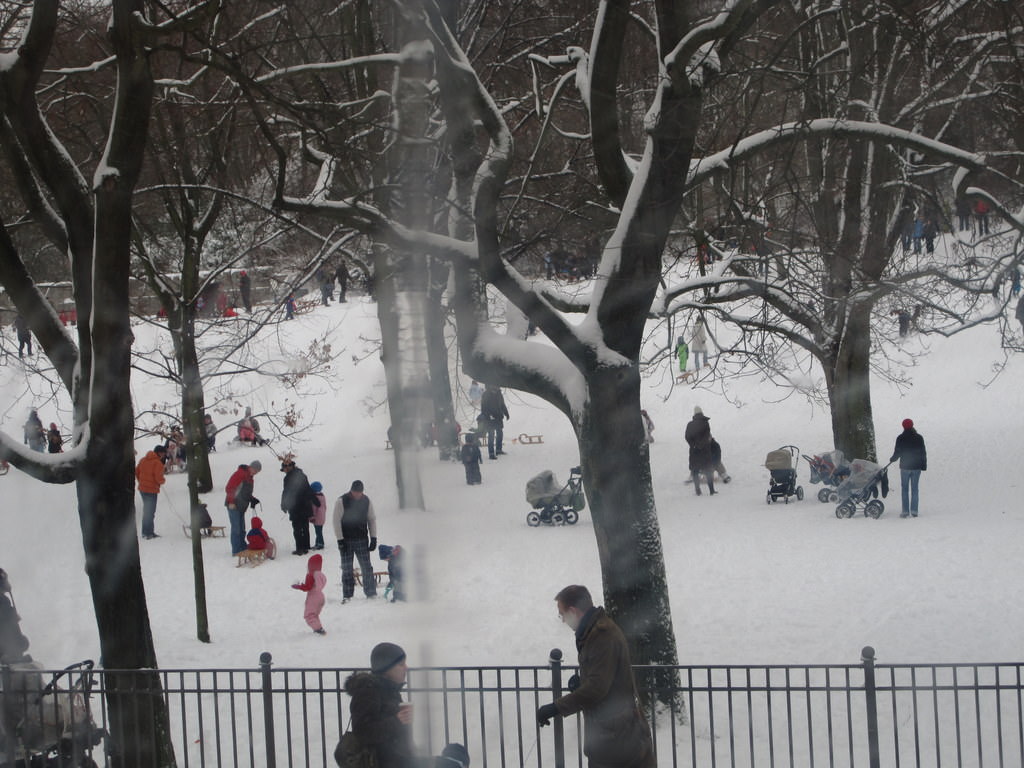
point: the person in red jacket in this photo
(238, 498)
(150, 475)
(258, 539)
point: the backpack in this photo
(350, 753)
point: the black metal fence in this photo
(864, 714)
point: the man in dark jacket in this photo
(616, 734)
(704, 453)
(492, 407)
(245, 288)
(297, 499)
(913, 461)
(381, 721)
(13, 644)
(355, 527)
(341, 275)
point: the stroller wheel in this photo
(557, 518)
(768, 499)
(571, 516)
(833, 496)
(846, 509)
(874, 509)
(799, 493)
(823, 495)
(532, 519)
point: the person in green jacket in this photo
(683, 353)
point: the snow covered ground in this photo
(750, 583)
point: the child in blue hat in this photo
(319, 514)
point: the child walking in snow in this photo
(319, 514)
(313, 586)
(471, 460)
(394, 557)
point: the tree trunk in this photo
(402, 400)
(617, 476)
(849, 389)
(139, 726)
(193, 407)
(437, 353)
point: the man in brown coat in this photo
(616, 734)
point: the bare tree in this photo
(92, 221)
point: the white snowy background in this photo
(749, 582)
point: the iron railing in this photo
(864, 714)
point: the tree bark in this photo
(617, 477)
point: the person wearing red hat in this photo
(913, 458)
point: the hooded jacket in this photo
(257, 538)
(616, 733)
(315, 579)
(150, 473)
(375, 723)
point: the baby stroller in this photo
(782, 465)
(861, 488)
(553, 503)
(830, 468)
(47, 726)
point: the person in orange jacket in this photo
(150, 475)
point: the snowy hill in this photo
(750, 583)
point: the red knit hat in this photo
(908, 423)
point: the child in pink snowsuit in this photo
(314, 587)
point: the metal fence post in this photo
(555, 659)
(10, 742)
(268, 709)
(867, 656)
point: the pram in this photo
(553, 503)
(861, 489)
(781, 463)
(830, 468)
(47, 726)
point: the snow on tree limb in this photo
(724, 160)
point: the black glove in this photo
(253, 502)
(545, 713)
(373, 544)
(573, 683)
(342, 546)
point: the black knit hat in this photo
(384, 656)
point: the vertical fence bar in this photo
(867, 656)
(268, 708)
(9, 740)
(555, 660)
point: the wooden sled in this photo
(212, 532)
(251, 557)
(377, 576)
(686, 376)
(525, 439)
